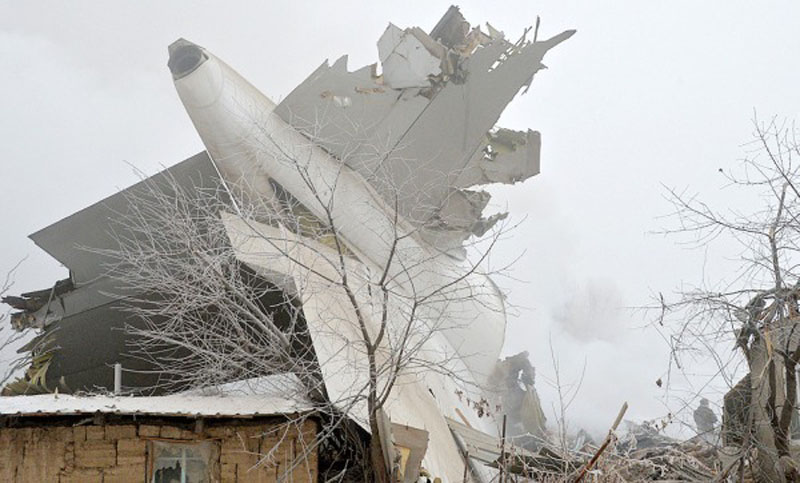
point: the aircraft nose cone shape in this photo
(184, 58)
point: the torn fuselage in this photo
(419, 131)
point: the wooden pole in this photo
(502, 478)
(588, 466)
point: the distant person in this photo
(705, 419)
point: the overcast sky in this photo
(645, 94)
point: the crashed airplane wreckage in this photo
(386, 162)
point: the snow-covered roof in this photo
(174, 405)
(270, 399)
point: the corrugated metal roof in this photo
(175, 405)
(231, 401)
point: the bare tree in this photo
(567, 392)
(756, 310)
(222, 285)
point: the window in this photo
(184, 462)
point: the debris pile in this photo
(694, 460)
(640, 453)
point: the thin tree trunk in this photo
(767, 387)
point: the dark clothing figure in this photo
(704, 418)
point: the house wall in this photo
(116, 453)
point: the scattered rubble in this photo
(660, 459)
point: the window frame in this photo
(213, 463)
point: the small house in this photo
(179, 438)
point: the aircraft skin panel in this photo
(420, 399)
(414, 141)
(67, 239)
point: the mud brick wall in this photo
(250, 451)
